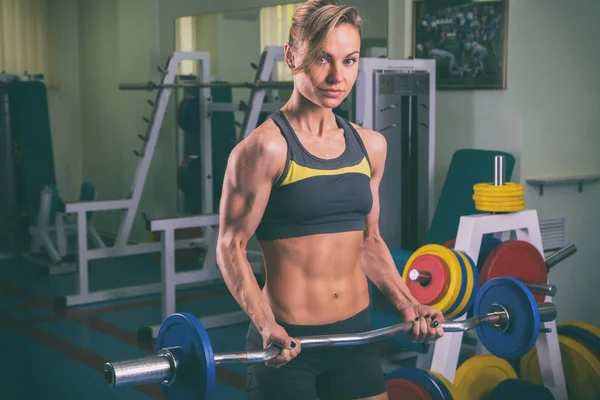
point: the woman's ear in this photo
(289, 56)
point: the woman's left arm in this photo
(376, 258)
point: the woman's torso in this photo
(312, 230)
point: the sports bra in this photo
(315, 195)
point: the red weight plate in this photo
(450, 243)
(518, 259)
(437, 286)
(402, 389)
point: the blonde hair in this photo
(312, 22)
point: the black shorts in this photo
(326, 373)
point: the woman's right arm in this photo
(253, 166)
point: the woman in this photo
(306, 183)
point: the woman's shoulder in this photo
(269, 136)
(265, 141)
(373, 140)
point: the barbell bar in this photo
(508, 302)
(199, 85)
(160, 368)
(560, 255)
(547, 289)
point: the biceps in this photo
(372, 220)
(242, 208)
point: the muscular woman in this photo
(306, 182)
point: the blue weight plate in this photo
(475, 285)
(463, 285)
(584, 336)
(425, 379)
(196, 375)
(524, 324)
(445, 391)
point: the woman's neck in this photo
(308, 116)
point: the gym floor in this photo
(60, 353)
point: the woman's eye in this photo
(350, 61)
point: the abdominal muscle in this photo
(315, 280)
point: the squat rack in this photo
(209, 221)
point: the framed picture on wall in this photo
(467, 38)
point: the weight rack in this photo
(443, 358)
(209, 220)
(122, 246)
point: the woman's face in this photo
(330, 79)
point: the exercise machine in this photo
(397, 99)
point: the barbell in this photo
(507, 322)
(199, 85)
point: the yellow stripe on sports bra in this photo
(298, 172)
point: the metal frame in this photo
(444, 356)
(208, 274)
(52, 237)
(266, 70)
(121, 246)
(365, 99)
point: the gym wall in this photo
(64, 100)
(547, 117)
(239, 44)
(95, 126)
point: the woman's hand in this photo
(427, 322)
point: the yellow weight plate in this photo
(508, 189)
(451, 388)
(490, 193)
(581, 368)
(499, 209)
(501, 195)
(584, 325)
(495, 206)
(468, 291)
(454, 272)
(499, 201)
(479, 375)
(592, 343)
